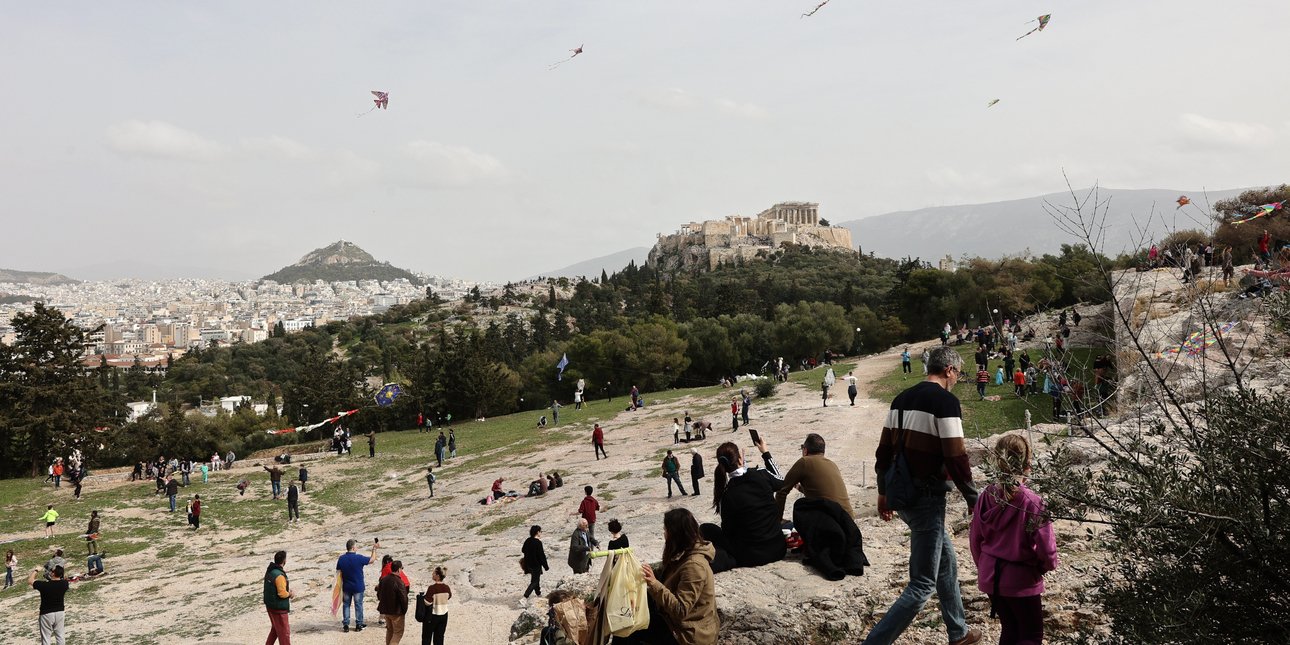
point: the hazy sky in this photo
(221, 137)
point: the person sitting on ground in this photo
(542, 421)
(750, 534)
(559, 481)
(538, 486)
(498, 493)
(56, 561)
(682, 597)
(824, 516)
(94, 565)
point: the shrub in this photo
(765, 388)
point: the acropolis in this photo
(739, 237)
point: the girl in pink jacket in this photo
(1013, 546)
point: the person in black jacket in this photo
(751, 533)
(696, 470)
(534, 560)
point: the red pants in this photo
(279, 630)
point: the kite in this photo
(1043, 22)
(991, 103)
(1263, 211)
(388, 393)
(335, 593)
(1183, 200)
(381, 101)
(817, 8)
(576, 51)
(1197, 342)
(315, 426)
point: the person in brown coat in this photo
(682, 594)
(392, 603)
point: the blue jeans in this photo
(357, 598)
(277, 488)
(172, 503)
(933, 568)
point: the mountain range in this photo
(592, 268)
(337, 262)
(34, 277)
(1012, 227)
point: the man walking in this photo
(534, 560)
(672, 473)
(350, 565)
(555, 412)
(52, 592)
(275, 480)
(430, 478)
(587, 511)
(50, 518)
(277, 599)
(927, 420)
(598, 442)
(304, 477)
(293, 504)
(392, 602)
(92, 533)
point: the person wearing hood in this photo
(1012, 542)
(277, 599)
(682, 592)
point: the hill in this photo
(34, 277)
(337, 262)
(1011, 227)
(592, 268)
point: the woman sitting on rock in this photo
(750, 534)
(682, 598)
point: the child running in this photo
(1013, 545)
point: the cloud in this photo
(277, 146)
(678, 100)
(672, 98)
(1225, 134)
(742, 110)
(162, 140)
(441, 165)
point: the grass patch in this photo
(503, 524)
(621, 475)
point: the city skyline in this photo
(222, 141)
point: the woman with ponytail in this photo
(1013, 545)
(751, 533)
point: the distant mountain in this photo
(592, 268)
(34, 277)
(338, 262)
(1011, 227)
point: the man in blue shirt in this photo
(350, 565)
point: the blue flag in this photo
(564, 362)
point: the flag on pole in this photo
(564, 362)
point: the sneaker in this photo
(973, 636)
(359, 628)
(344, 628)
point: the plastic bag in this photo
(627, 600)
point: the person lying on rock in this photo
(751, 533)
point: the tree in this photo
(808, 328)
(708, 346)
(49, 405)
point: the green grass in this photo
(985, 418)
(503, 524)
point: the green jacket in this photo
(271, 599)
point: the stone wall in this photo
(709, 244)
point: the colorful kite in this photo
(576, 51)
(564, 362)
(991, 103)
(381, 101)
(1263, 211)
(1043, 22)
(1183, 200)
(817, 8)
(388, 393)
(335, 593)
(315, 426)
(1197, 342)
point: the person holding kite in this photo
(349, 585)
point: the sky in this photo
(224, 139)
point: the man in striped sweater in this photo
(930, 417)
